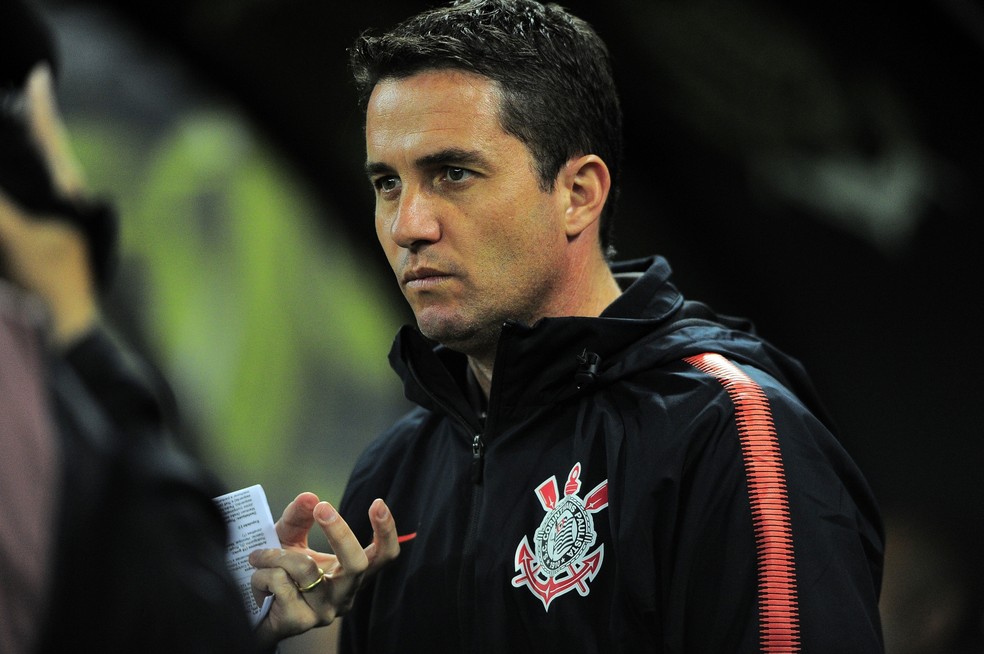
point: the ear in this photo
(587, 182)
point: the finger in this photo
(50, 134)
(265, 582)
(297, 520)
(351, 557)
(384, 547)
(301, 568)
(289, 610)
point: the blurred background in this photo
(817, 167)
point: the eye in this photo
(387, 184)
(455, 174)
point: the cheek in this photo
(381, 230)
(538, 233)
(384, 231)
(383, 235)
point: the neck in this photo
(594, 289)
(483, 374)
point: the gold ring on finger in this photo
(313, 584)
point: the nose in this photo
(416, 221)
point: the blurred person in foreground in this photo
(109, 538)
(596, 464)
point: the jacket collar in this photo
(539, 364)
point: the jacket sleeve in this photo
(783, 538)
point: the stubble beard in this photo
(475, 339)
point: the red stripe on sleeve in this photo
(778, 607)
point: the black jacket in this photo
(140, 556)
(656, 479)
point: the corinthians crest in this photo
(560, 560)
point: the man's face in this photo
(470, 234)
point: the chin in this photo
(467, 338)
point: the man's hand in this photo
(284, 572)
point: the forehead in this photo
(434, 108)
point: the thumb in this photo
(297, 520)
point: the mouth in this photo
(422, 278)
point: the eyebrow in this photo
(447, 156)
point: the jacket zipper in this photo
(465, 573)
(466, 599)
(478, 459)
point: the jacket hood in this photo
(649, 325)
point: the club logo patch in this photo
(559, 560)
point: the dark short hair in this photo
(559, 95)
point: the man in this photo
(109, 538)
(595, 464)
